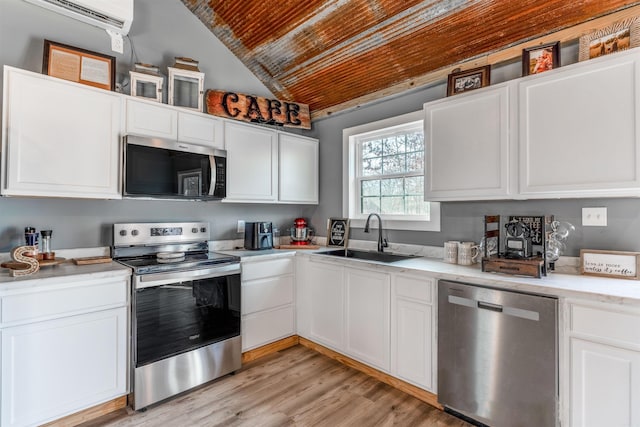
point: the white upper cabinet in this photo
(60, 139)
(164, 121)
(268, 166)
(468, 146)
(252, 163)
(579, 130)
(298, 169)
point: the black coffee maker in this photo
(258, 235)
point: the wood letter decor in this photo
(256, 109)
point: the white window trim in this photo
(349, 168)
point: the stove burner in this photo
(169, 255)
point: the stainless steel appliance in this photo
(156, 168)
(258, 235)
(185, 308)
(497, 355)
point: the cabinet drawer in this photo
(415, 288)
(263, 269)
(266, 327)
(268, 293)
(60, 302)
(608, 324)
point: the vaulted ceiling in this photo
(329, 53)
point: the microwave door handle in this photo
(212, 185)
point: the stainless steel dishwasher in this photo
(497, 355)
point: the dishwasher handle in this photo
(489, 306)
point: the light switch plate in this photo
(594, 217)
(240, 226)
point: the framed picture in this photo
(464, 81)
(79, 65)
(617, 264)
(614, 38)
(189, 183)
(338, 232)
(538, 59)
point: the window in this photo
(384, 171)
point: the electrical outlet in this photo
(240, 226)
(117, 42)
(594, 217)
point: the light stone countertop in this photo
(610, 290)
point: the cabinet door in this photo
(152, 119)
(325, 288)
(579, 133)
(252, 163)
(605, 385)
(55, 368)
(267, 326)
(468, 147)
(200, 129)
(61, 139)
(298, 166)
(413, 337)
(368, 296)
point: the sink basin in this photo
(367, 255)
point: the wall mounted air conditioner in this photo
(115, 15)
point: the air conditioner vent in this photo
(85, 11)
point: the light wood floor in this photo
(295, 387)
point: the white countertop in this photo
(618, 291)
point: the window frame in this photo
(351, 179)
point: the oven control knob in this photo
(123, 232)
(194, 230)
(203, 230)
(134, 232)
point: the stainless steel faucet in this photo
(382, 243)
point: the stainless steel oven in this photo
(185, 308)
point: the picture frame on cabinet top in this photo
(538, 59)
(616, 37)
(464, 81)
(79, 65)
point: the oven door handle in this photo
(158, 279)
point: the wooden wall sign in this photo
(617, 264)
(249, 108)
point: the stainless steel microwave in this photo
(156, 168)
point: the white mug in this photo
(451, 251)
(468, 253)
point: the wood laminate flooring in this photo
(294, 387)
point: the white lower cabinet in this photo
(602, 365)
(413, 330)
(268, 298)
(378, 317)
(367, 302)
(325, 304)
(68, 353)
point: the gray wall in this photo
(162, 30)
(464, 220)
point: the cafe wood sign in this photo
(256, 109)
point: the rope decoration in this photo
(18, 255)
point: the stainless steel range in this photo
(185, 308)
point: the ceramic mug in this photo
(451, 251)
(468, 253)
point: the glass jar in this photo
(45, 243)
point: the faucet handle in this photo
(385, 243)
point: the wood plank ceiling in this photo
(325, 53)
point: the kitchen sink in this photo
(367, 255)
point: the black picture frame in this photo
(541, 58)
(464, 81)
